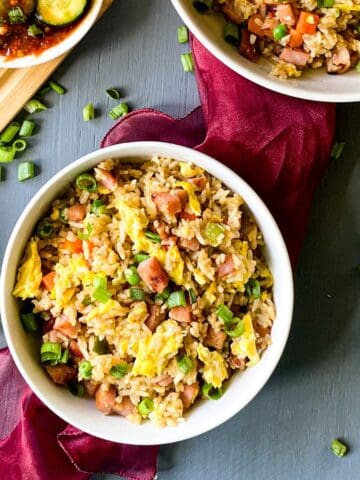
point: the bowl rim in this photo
(262, 80)
(69, 42)
(141, 149)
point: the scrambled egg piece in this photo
(29, 275)
(194, 203)
(214, 370)
(68, 277)
(153, 352)
(111, 308)
(188, 170)
(134, 221)
(174, 265)
(138, 312)
(245, 345)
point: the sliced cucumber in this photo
(58, 13)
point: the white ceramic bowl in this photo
(60, 48)
(82, 412)
(313, 85)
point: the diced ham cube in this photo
(237, 362)
(286, 14)
(189, 394)
(167, 203)
(75, 350)
(187, 244)
(165, 381)
(226, 267)
(215, 339)
(155, 317)
(124, 408)
(76, 213)
(296, 57)
(106, 178)
(61, 374)
(199, 182)
(105, 398)
(90, 387)
(153, 274)
(181, 314)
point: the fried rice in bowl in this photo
(146, 293)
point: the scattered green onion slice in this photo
(19, 145)
(146, 406)
(119, 111)
(26, 170)
(183, 34)
(98, 207)
(231, 33)
(50, 352)
(187, 62)
(279, 32)
(176, 299)
(113, 93)
(164, 295)
(337, 150)
(64, 356)
(101, 295)
(85, 234)
(185, 364)
(192, 296)
(34, 106)
(44, 90)
(252, 288)
(101, 347)
(153, 237)
(85, 369)
(100, 282)
(16, 15)
(213, 233)
(7, 154)
(224, 313)
(44, 229)
(338, 448)
(77, 389)
(140, 257)
(2, 173)
(325, 3)
(119, 370)
(203, 6)
(34, 31)
(137, 293)
(88, 112)
(59, 89)
(27, 128)
(132, 276)
(235, 328)
(10, 132)
(85, 181)
(210, 392)
(29, 321)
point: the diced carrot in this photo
(48, 281)
(72, 246)
(76, 213)
(62, 324)
(181, 314)
(307, 23)
(152, 273)
(296, 39)
(255, 23)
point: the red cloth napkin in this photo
(280, 145)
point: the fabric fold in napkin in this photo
(279, 145)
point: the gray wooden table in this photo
(314, 395)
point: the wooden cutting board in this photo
(18, 85)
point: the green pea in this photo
(279, 31)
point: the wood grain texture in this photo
(314, 395)
(18, 85)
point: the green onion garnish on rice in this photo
(140, 257)
(44, 229)
(131, 276)
(119, 370)
(101, 295)
(213, 233)
(234, 328)
(85, 369)
(50, 352)
(224, 313)
(85, 234)
(137, 293)
(210, 392)
(29, 322)
(85, 181)
(10, 132)
(145, 407)
(101, 347)
(338, 448)
(98, 207)
(252, 289)
(164, 295)
(153, 237)
(64, 356)
(176, 299)
(185, 364)
(192, 296)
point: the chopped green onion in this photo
(252, 288)
(7, 154)
(338, 448)
(44, 229)
(231, 33)
(182, 34)
(185, 364)
(187, 62)
(164, 295)
(234, 328)
(146, 406)
(77, 389)
(98, 207)
(100, 282)
(101, 295)
(210, 392)
(85, 369)
(357, 68)
(85, 235)
(101, 347)
(88, 112)
(176, 299)
(153, 237)
(279, 32)
(64, 356)
(2, 174)
(19, 145)
(50, 352)
(16, 15)
(337, 150)
(119, 370)
(202, 6)
(29, 321)
(192, 296)
(34, 106)
(27, 128)
(34, 31)
(140, 257)
(113, 93)
(325, 3)
(137, 293)
(132, 276)
(119, 111)
(213, 233)
(85, 181)
(26, 170)
(59, 89)
(10, 132)
(224, 313)
(44, 90)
